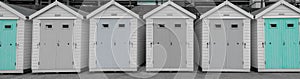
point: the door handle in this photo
(283, 43)
(151, 44)
(57, 44)
(245, 44)
(263, 45)
(227, 44)
(115, 43)
(171, 43)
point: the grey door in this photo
(121, 35)
(56, 44)
(64, 56)
(217, 44)
(226, 44)
(234, 35)
(48, 44)
(113, 43)
(169, 49)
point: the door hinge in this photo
(72, 62)
(38, 63)
(40, 25)
(16, 25)
(75, 45)
(15, 64)
(38, 45)
(263, 45)
(245, 44)
(265, 62)
(96, 62)
(243, 62)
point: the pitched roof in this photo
(112, 2)
(143, 9)
(226, 3)
(80, 11)
(17, 10)
(171, 4)
(57, 3)
(267, 9)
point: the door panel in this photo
(113, 43)
(169, 43)
(177, 43)
(291, 42)
(56, 44)
(48, 44)
(8, 44)
(64, 56)
(161, 40)
(234, 36)
(120, 36)
(217, 44)
(273, 44)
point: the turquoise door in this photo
(272, 42)
(8, 44)
(290, 36)
(282, 43)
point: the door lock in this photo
(263, 45)
(206, 45)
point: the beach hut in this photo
(275, 38)
(60, 39)
(169, 38)
(114, 39)
(15, 38)
(224, 34)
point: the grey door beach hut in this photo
(60, 39)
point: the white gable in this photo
(169, 11)
(56, 10)
(282, 9)
(6, 13)
(112, 11)
(226, 11)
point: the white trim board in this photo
(111, 3)
(55, 3)
(281, 2)
(226, 70)
(57, 18)
(281, 16)
(171, 4)
(9, 18)
(227, 18)
(113, 17)
(225, 3)
(278, 70)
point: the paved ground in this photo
(153, 75)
